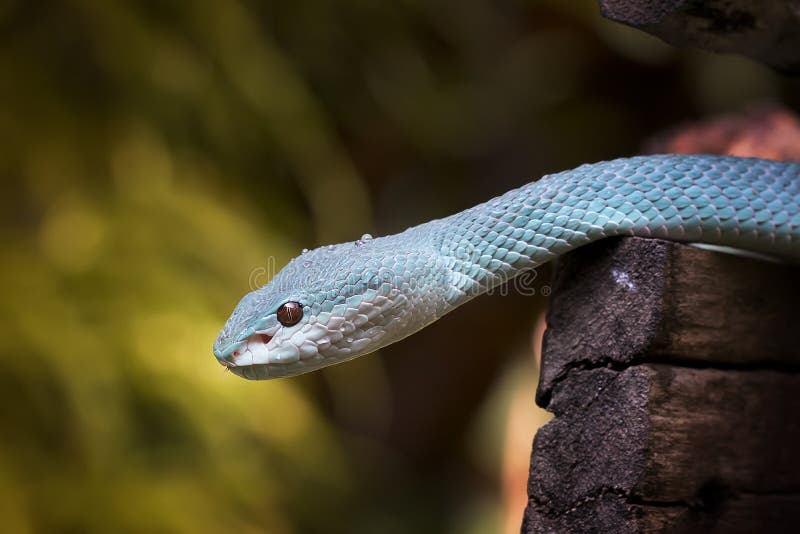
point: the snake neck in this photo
(744, 203)
(505, 239)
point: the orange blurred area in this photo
(768, 132)
(157, 157)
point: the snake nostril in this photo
(265, 338)
(235, 353)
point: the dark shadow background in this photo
(158, 157)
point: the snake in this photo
(338, 302)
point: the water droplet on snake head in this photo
(364, 239)
(304, 251)
(331, 247)
(307, 263)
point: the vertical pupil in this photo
(290, 313)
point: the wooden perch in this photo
(767, 31)
(674, 375)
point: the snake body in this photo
(357, 297)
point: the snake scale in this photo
(341, 301)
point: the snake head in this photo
(327, 306)
(254, 343)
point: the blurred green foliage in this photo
(154, 154)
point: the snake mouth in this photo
(260, 357)
(251, 350)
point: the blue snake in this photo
(341, 301)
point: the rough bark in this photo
(673, 374)
(767, 31)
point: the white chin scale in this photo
(276, 347)
(262, 349)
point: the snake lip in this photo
(249, 349)
(252, 372)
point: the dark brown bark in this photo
(674, 375)
(767, 31)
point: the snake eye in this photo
(290, 313)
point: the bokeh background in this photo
(157, 158)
